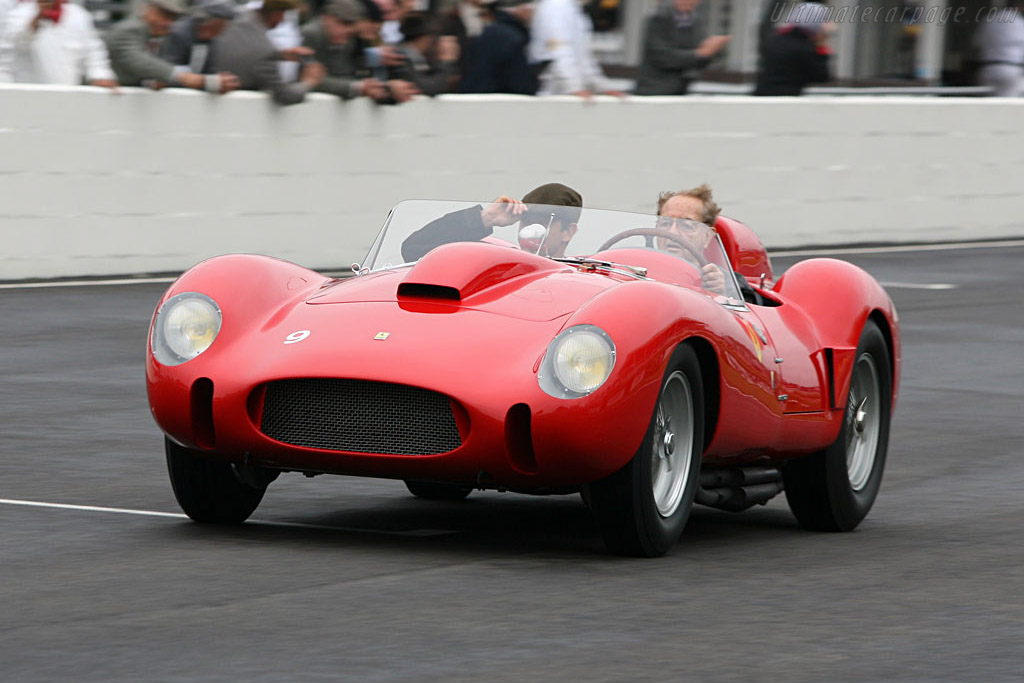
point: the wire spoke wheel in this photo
(643, 508)
(863, 414)
(672, 444)
(834, 489)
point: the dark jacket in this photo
(432, 77)
(791, 61)
(670, 61)
(497, 60)
(245, 50)
(465, 225)
(339, 60)
(177, 46)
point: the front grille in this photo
(359, 417)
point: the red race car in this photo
(666, 366)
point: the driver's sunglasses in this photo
(680, 225)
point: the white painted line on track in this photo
(254, 522)
(88, 283)
(917, 285)
(895, 249)
(89, 508)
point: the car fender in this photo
(634, 316)
(251, 291)
(839, 311)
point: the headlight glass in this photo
(577, 362)
(185, 326)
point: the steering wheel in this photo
(697, 258)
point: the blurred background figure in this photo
(332, 38)
(395, 12)
(191, 38)
(675, 48)
(797, 53)
(1000, 46)
(5, 48)
(245, 50)
(560, 35)
(431, 59)
(51, 41)
(465, 20)
(376, 62)
(287, 38)
(498, 62)
(605, 14)
(134, 46)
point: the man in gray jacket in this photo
(188, 43)
(674, 48)
(133, 45)
(245, 50)
(332, 38)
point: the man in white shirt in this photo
(1000, 45)
(52, 41)
(5, 48)
(560, 45)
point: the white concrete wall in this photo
(94, 183)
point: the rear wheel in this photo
(210, 491)
(642, 509)
(833, 490)
(431, 490)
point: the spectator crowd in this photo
(392, 50)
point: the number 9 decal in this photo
(297, 336)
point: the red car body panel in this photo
(472, 321)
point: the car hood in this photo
(475, 276)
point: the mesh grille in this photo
(359, 417)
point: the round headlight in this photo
(185, 326)
(578, 361)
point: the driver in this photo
(690, 215)
(477, 222)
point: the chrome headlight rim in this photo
(548, 375)
(163, 350)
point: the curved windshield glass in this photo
(678, 251)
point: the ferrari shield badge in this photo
(381, 336)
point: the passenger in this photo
(691, 215)
(476, 222)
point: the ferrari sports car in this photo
(646, 363)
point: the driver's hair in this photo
(703, 193)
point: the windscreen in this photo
(416, 227)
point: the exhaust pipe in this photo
(736, 489)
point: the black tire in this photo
(834, 489)
(431, 490)
(642, 509)
(209, 491)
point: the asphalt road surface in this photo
(352, 579)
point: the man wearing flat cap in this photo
(332, 37)
(553, 208)
(245, 49)
(134, 45)
(191, 37)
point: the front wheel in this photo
(834, 489)
(642, 509)
(210, 491)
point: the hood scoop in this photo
(459, 271)
(417, 290)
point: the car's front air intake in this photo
(359, 417)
